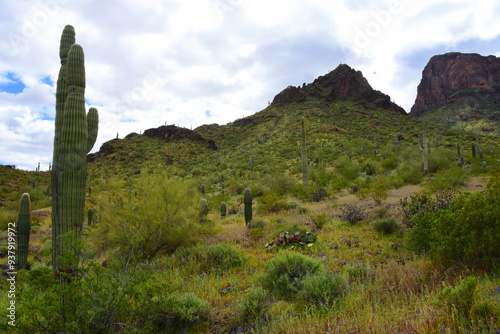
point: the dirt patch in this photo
(42, 213)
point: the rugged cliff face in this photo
(342, 83)
(454, 78)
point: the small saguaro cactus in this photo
(423, 147)
(23, 231)
(354, 188)
(303, 153)
(90, 216)
(458, 149)
(203, 210)
(473, 147)
(223, 210)
(247, 200)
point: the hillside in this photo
(461, 91)
(171, 244)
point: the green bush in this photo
(177, 312)
(450, 178)
(253, 305)
(322, 288)
(459, 298)
(358, 272)
(468, 231)
(284, 274)
(271, 202)
(164, 218)
(385, 225)
(202, 258)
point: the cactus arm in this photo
(92, 126)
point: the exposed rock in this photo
(342, 83)
(456, 77)
(172, 132)
(288, 95)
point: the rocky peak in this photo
(456, 77)
(342, 83)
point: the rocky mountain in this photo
(343, 83)
(459, 87)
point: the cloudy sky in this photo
(194, 62)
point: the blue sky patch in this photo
(208, 113)
(48, 81)
(11, 83)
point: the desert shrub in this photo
(421, 203)
(410, 171)
(319, 220)
(358, 272)
(322, 288)
(253, 305)
(204, 257)
(164, 218)
(258, 223)
(284, 274)
(385, 225)
(390, 163)
(450, 178)
(468, 231)
(379, 189)
(96, 300)
(458, 298)
(179, 311)
(352, 214)
(271, 202)
(318, 194)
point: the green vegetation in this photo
(368, 233)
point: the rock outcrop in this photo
(342, 83)
(456, 77)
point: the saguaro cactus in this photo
(75, 134)
(423, 147)
(23, 231)
(247, 200)
(303, 153)
(223, 210)
(203, 210)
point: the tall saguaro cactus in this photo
(23, 231)
(303, 154)
(75, 135)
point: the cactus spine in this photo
(23, 231)
(247, 200)
(223, 210)
(75, 134)
(303, 154)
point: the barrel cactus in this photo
(75, 135)
(247, 200)
(23, 231)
